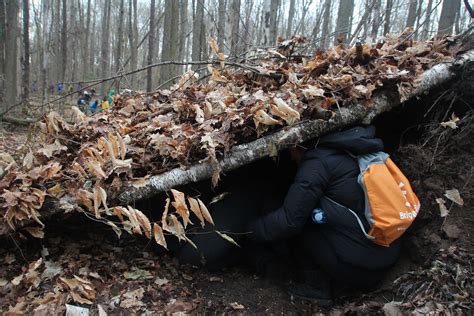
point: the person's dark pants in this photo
(316, 251)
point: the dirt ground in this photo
(84, 264)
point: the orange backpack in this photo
(391, 205)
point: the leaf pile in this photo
(446, 287)
(83, 166)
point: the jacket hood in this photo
(357, 140)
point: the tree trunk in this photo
(92, 53)
(86, 62)
(64, 40)
(388, 14)
(274, 5)
(376, 18)
(198, 27)
(2, 47)
(325, 29)
(11, 52)
(132, 37)
(105, 49)
(26, 48)
(183, 30)
(412, 13)
(44, 52)
(118, 51)
(343, 27)
(291, 16)
(221, 24)
(234, 27)
(448, 16)
(151, 43)
(266, 13)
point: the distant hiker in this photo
(33, 86)
(79, 87)
(60, 87)
(93, 106)
(110, 96)
(105, 104)
(51, 88)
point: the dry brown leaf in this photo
(144, 223)
(132, 216)
(452, 122)
(159, 237)
(164, 217)
(283, 110)
(36, 232)
(95, 168)
(205, 212)
(228, 238)
(454, 196)
(261, 117)
(442, 207)
(196, 209)
(180, 206)
(311, 92)
(97, 201)
(85, 198)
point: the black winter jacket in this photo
(329, 171)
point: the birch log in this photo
(247, 153)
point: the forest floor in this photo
(85, 262)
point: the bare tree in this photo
(170, 33)
(412, 13)
(64, 40)
(266, 13)
(183, 29)
(2, 45)
(86, 62)
(44, 51)
(198, 28)
(234, 25)
(118, 51)
(388, 14)
(221, 24)
(151, 43)
(11, 52)
(344, 14)
(133, 37)
(291, 16)
(448, 16)
(105, 44)
(274, 5)
(326, 18)
(376, 18)
(26, 50)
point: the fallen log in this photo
(247, 153)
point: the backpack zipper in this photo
(356, 216)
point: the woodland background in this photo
(46, 42)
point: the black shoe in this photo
(314, 286)
(319, 295)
